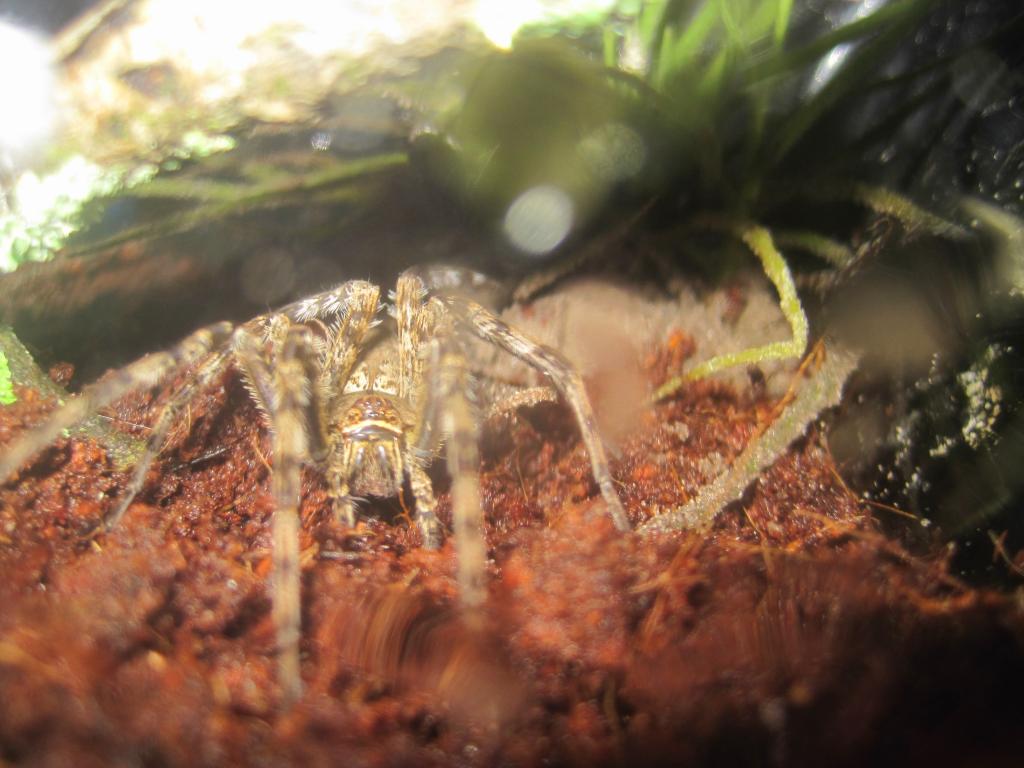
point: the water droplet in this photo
(539, 219)
(320, 141)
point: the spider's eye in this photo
(372, 416)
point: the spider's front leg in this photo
(356, 304)
(417, 316)
(289, 382)
(566, 379)
(449, 413)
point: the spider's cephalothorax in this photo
(366, 447)
(367, 399)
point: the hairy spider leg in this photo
(326, 304)
(413, 321)
(246, 348)
(567, 381)
(208, 369)
(426, 504)
(357, 314)
(417, 318)
(274, 329)
(291, 374)
(355, 318)
(145, 372)
(452, 412)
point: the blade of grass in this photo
(904, 14)
(783, 12)
(849, 79)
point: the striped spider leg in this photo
(449, 416)
(563, 376)
(282, 386)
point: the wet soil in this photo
(793, 633)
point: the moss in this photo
(7, 396)
(18, 369)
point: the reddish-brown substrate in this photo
(793, 634)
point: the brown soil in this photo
(795, 633)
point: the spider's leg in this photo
(357, 312)
(520, 398)
(290, 379)
(426, 519)
(449, 280)
(260, 383)
(207, 370)
(256, 348)
(566, 380)
(341, 502)
(415, 324)
(145, 372)
(327, 304)
(449, 404)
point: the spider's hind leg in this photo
(567, 381)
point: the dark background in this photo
(44, 15)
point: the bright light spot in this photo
(614, 152)
(26, 90)
(500, 20)
(320, 141)
(635, 57)
(36, 197)
(226, 37)
(836, 58)
(539, 219)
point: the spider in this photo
(369, 403)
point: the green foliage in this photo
(49, 208)
(722, 67)
(759, 241)
(7, 395)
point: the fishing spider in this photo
(368, 403)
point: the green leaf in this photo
(7, 396)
